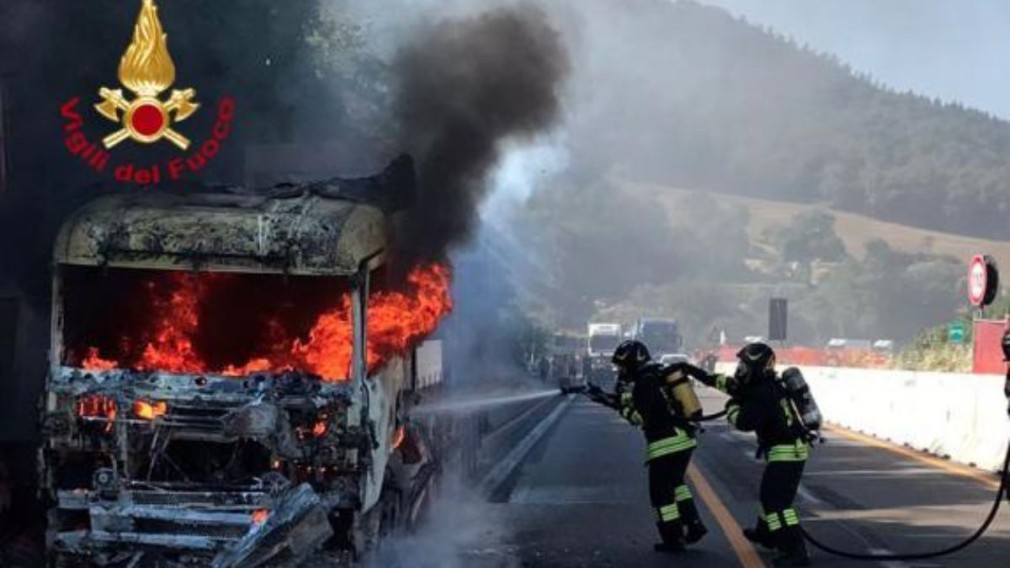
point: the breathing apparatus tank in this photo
(682, 392)
(802, 400)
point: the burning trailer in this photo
(231, 374)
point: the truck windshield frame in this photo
(603, 343)
(107, 308)
(661, 337)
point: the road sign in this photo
(778, 319)
(983, 280)
(955, 332)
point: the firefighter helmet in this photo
(630, 355)
(757, 360)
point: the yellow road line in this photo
(744, 550)
(952, 468)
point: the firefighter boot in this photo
(761, 535)
(672, 534)
(669, 547)
(793, 551)
(694, 529)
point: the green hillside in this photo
(685, 95)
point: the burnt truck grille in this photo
(192, 520)
(199, 500)
(208, 418)
(209, 530)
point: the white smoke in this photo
(461, 530)
(522, 170)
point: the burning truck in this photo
(231, 375)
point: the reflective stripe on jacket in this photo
(670, 445)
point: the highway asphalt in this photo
(580, 498)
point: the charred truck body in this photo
(229, 383)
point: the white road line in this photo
(809, 496)
(890, 564)
(901, 472)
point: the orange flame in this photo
(94, 361)
(401, 435)
(397, 321)
(149, 410)
(177, 321)
(98, 406)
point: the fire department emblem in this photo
(147, 70)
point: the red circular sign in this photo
(977, 280)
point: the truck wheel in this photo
(57, 560)
(367, 535)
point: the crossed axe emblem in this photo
(146, 119)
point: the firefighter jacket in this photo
(1006, 390)
(655, 399)
(762, 408)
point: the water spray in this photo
(479, 403)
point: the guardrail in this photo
(473, 443)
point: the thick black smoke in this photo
(464, 87)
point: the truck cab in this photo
(214, 394)
(603, 339)
(661, 336)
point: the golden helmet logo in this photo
(145, 115)
(147, 70)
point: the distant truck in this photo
(565, 371)
(603, 338)
(661, 336)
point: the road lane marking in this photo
(903, 472)
(744, 550)
(954, 469)
(808, 495)
(890, 563)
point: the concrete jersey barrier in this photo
(958, 416)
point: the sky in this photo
(957, 50)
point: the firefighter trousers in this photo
(670, 496)
(779, 524)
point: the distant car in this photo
(672, 358)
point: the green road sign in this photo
(955, 332)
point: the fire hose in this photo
(1005, 475)
(710, 417)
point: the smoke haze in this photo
(463, 89)
(643, 116)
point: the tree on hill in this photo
(811, 237)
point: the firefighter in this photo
(757, 404)
(1006, 385)
(662, 403)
